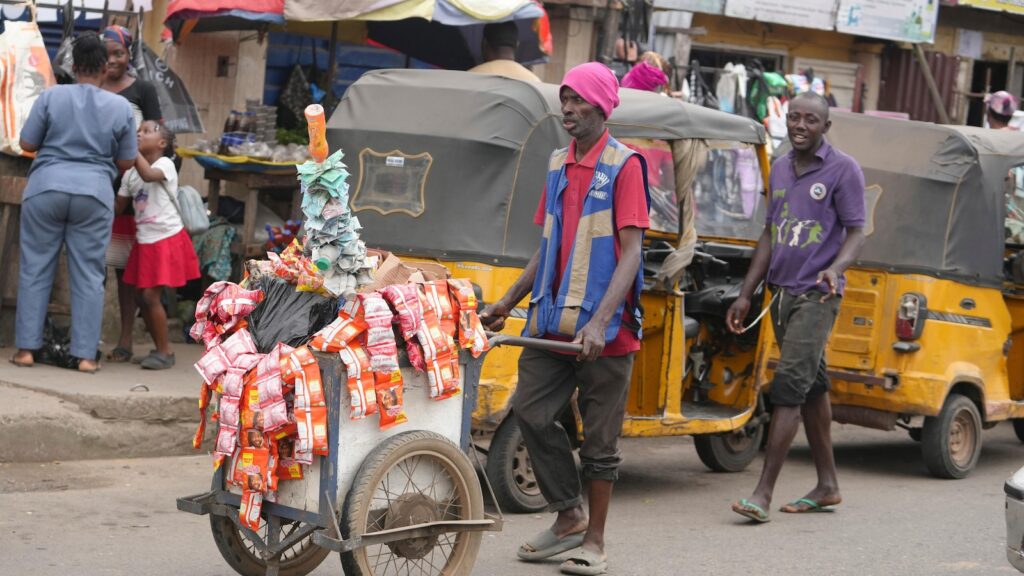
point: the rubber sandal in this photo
(547, 544)
(119, 355)
(14, 360)
(139, 359)
(805, 506)
(88, 371)
(584, 563)
(748, 509)
(157, 361)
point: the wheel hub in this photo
(522, 471)
(737, 442)
(961, 439)
(410, 510)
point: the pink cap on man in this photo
(596, 84)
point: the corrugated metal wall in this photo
(903, 85)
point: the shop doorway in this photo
(712, 60)
(987, 77)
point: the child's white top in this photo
(156, 218)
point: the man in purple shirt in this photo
(813, 233)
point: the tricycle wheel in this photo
(951, 441)
(510, 471)
(915, 434)
(413, 478)
(729, 452)
(1018, 429)
(240, 553)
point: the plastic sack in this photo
(56, 350)
(24, 73)
(286, 315)
(180, 114)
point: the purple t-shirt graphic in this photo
(808, 216)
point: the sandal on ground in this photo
(748, 509)
(92, 370)
(805, 506)
(584, 563)
(119, 355)
(22, 363)
(139, 359)
(547, 544)
(157, 361)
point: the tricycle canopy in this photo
(452, 164)
(936, 201)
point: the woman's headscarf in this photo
(118, 34)
(644, 76)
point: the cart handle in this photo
(535, 343)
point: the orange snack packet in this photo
(363, 398)
(389, 391)
(337, 334)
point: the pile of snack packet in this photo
(272, 410)
(332, 232)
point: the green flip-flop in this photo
(805, 506)
(748, 509)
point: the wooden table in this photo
(254, 183)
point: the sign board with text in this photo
(899, 20)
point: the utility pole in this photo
(610, 31)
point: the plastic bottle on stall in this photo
(316, 125)
(325, 256)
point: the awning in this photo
(187, 16)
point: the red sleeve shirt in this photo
(630, 210)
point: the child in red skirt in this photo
(163, 255)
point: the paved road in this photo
(670, 517)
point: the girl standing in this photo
(82, 137)
(142, 97)
(163, 255)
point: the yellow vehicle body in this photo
(958, 349)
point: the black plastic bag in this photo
(56, 350)
(286, 315)
(180, 114)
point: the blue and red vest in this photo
(592, 262)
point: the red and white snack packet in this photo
(363, 399)
(232, 382)
(275, 415)
(436, 293)
(236, 302)
(334, 336)
(376, 311)
(382, 349)
(443, 375)
(227, 440)
(287, 467)
(250, 509)
(237, 344)
(389, 388)
(212, 365)
(405, 299)
(472, 336)
(228, 411)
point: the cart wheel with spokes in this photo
(511, 472)
(413, 478)
(951, 441)
(240, 552)
(729, 452)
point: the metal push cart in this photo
(393, 501)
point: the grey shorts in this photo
(802, 324)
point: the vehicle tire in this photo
(417, 461)
(729, 452)
(239, 552)
(510, 472)
(1018, 429)
(951, 441)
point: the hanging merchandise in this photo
(179, 111)
(762, 86)
(332, 231)
(63, 61)
(775, 120)
(731, 89)
(700, 92)
(24, 73)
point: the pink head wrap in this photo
(1002, 103)
(596, 83)
(644, 76)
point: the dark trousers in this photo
(547, 381)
